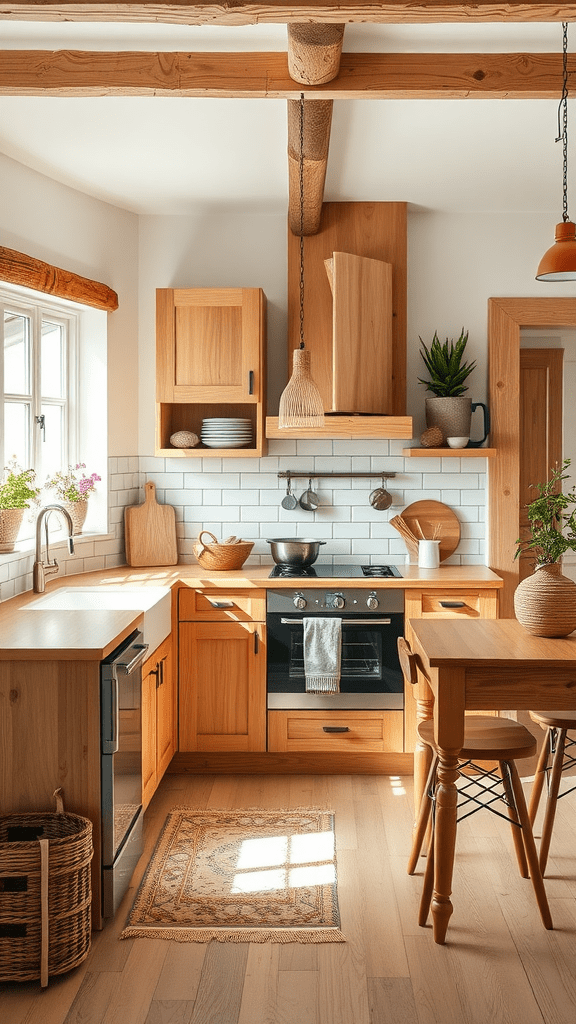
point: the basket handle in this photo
(57, 796)
(201, 534)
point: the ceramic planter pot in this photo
(453, 416)
(545, 602)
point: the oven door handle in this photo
(345, 622)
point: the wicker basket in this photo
(45, 893)
(221, 556)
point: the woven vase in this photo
(78, 511)
(10, 523)
(545, 602)
(452, 415)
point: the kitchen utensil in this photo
(437, 521)
(409, 538)
(309, 500)
(428, 554)
(380, 499)
(293, 551)
(230, 555)
(289, 501)
(150, 532)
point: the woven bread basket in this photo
(45, 921)
(228, 555)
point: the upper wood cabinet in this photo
(210, 362)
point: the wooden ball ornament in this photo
(432, 438)
(184, 439)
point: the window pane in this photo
(51, 457)
(52, 362)
(17, 433)
(16, 354)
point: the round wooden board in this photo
(438, 521)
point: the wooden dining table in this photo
(477, 665)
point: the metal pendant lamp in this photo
(559, 262)
(300, 402)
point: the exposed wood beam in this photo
(314, 53)
(260, 75)
(246, 12)
(17, 268)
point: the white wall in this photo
(61, 226)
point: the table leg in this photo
(444, 843)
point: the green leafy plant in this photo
(17, 489)
(70, 486)
(550, 516)
(444, 364)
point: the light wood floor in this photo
(499, 966)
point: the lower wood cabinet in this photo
(222, 664)
(158, 718)
(353, 731)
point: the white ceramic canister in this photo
(428, 554)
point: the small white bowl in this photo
(457, 442)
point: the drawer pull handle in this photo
(335, 728)
(220, 604)
(452, 604)
(251, 382)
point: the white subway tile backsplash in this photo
(244, 495)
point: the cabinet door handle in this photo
(251, 382)
(161, 672)
(452, 604)
(220, 604)
(256, 642)
(335, 728)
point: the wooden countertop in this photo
(92, 635)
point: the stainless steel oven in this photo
(370, 674)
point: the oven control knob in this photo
(338, 601)
(372, 601)
(300, 601)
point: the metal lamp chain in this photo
(301, 169)
(563, 121)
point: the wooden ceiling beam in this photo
(265, 75)
(248, 12)
(18, 268)
(314, 53)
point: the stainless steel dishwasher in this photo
(121, 767)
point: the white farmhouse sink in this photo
(155, 602)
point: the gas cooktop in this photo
(335, 571)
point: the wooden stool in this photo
(556, 746)
(485, 739)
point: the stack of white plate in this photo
(226, 432)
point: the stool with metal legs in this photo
(486, 739)
(556, 757)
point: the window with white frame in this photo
(38, 384)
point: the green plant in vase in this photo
(73, 490)
(545, 602)
(443, 361)
(17, 492)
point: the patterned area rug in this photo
(240, 876)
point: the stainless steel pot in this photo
(293, 551)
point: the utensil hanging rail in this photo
(287, 474)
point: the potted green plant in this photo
(545, 602)
(450, 410)
(72, 491)
(17, 492)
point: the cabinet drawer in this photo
(438, 604)
(219, 605)
(362, 731)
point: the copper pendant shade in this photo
(559, 262)
(301, 402)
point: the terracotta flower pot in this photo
(10, 523)
(545, 602)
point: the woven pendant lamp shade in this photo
(300, 402)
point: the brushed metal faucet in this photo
(42, 569)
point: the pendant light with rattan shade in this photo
(559, 262)
(300, 402)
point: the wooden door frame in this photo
(506, 318)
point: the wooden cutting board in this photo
(150, 532)
(437, 522)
